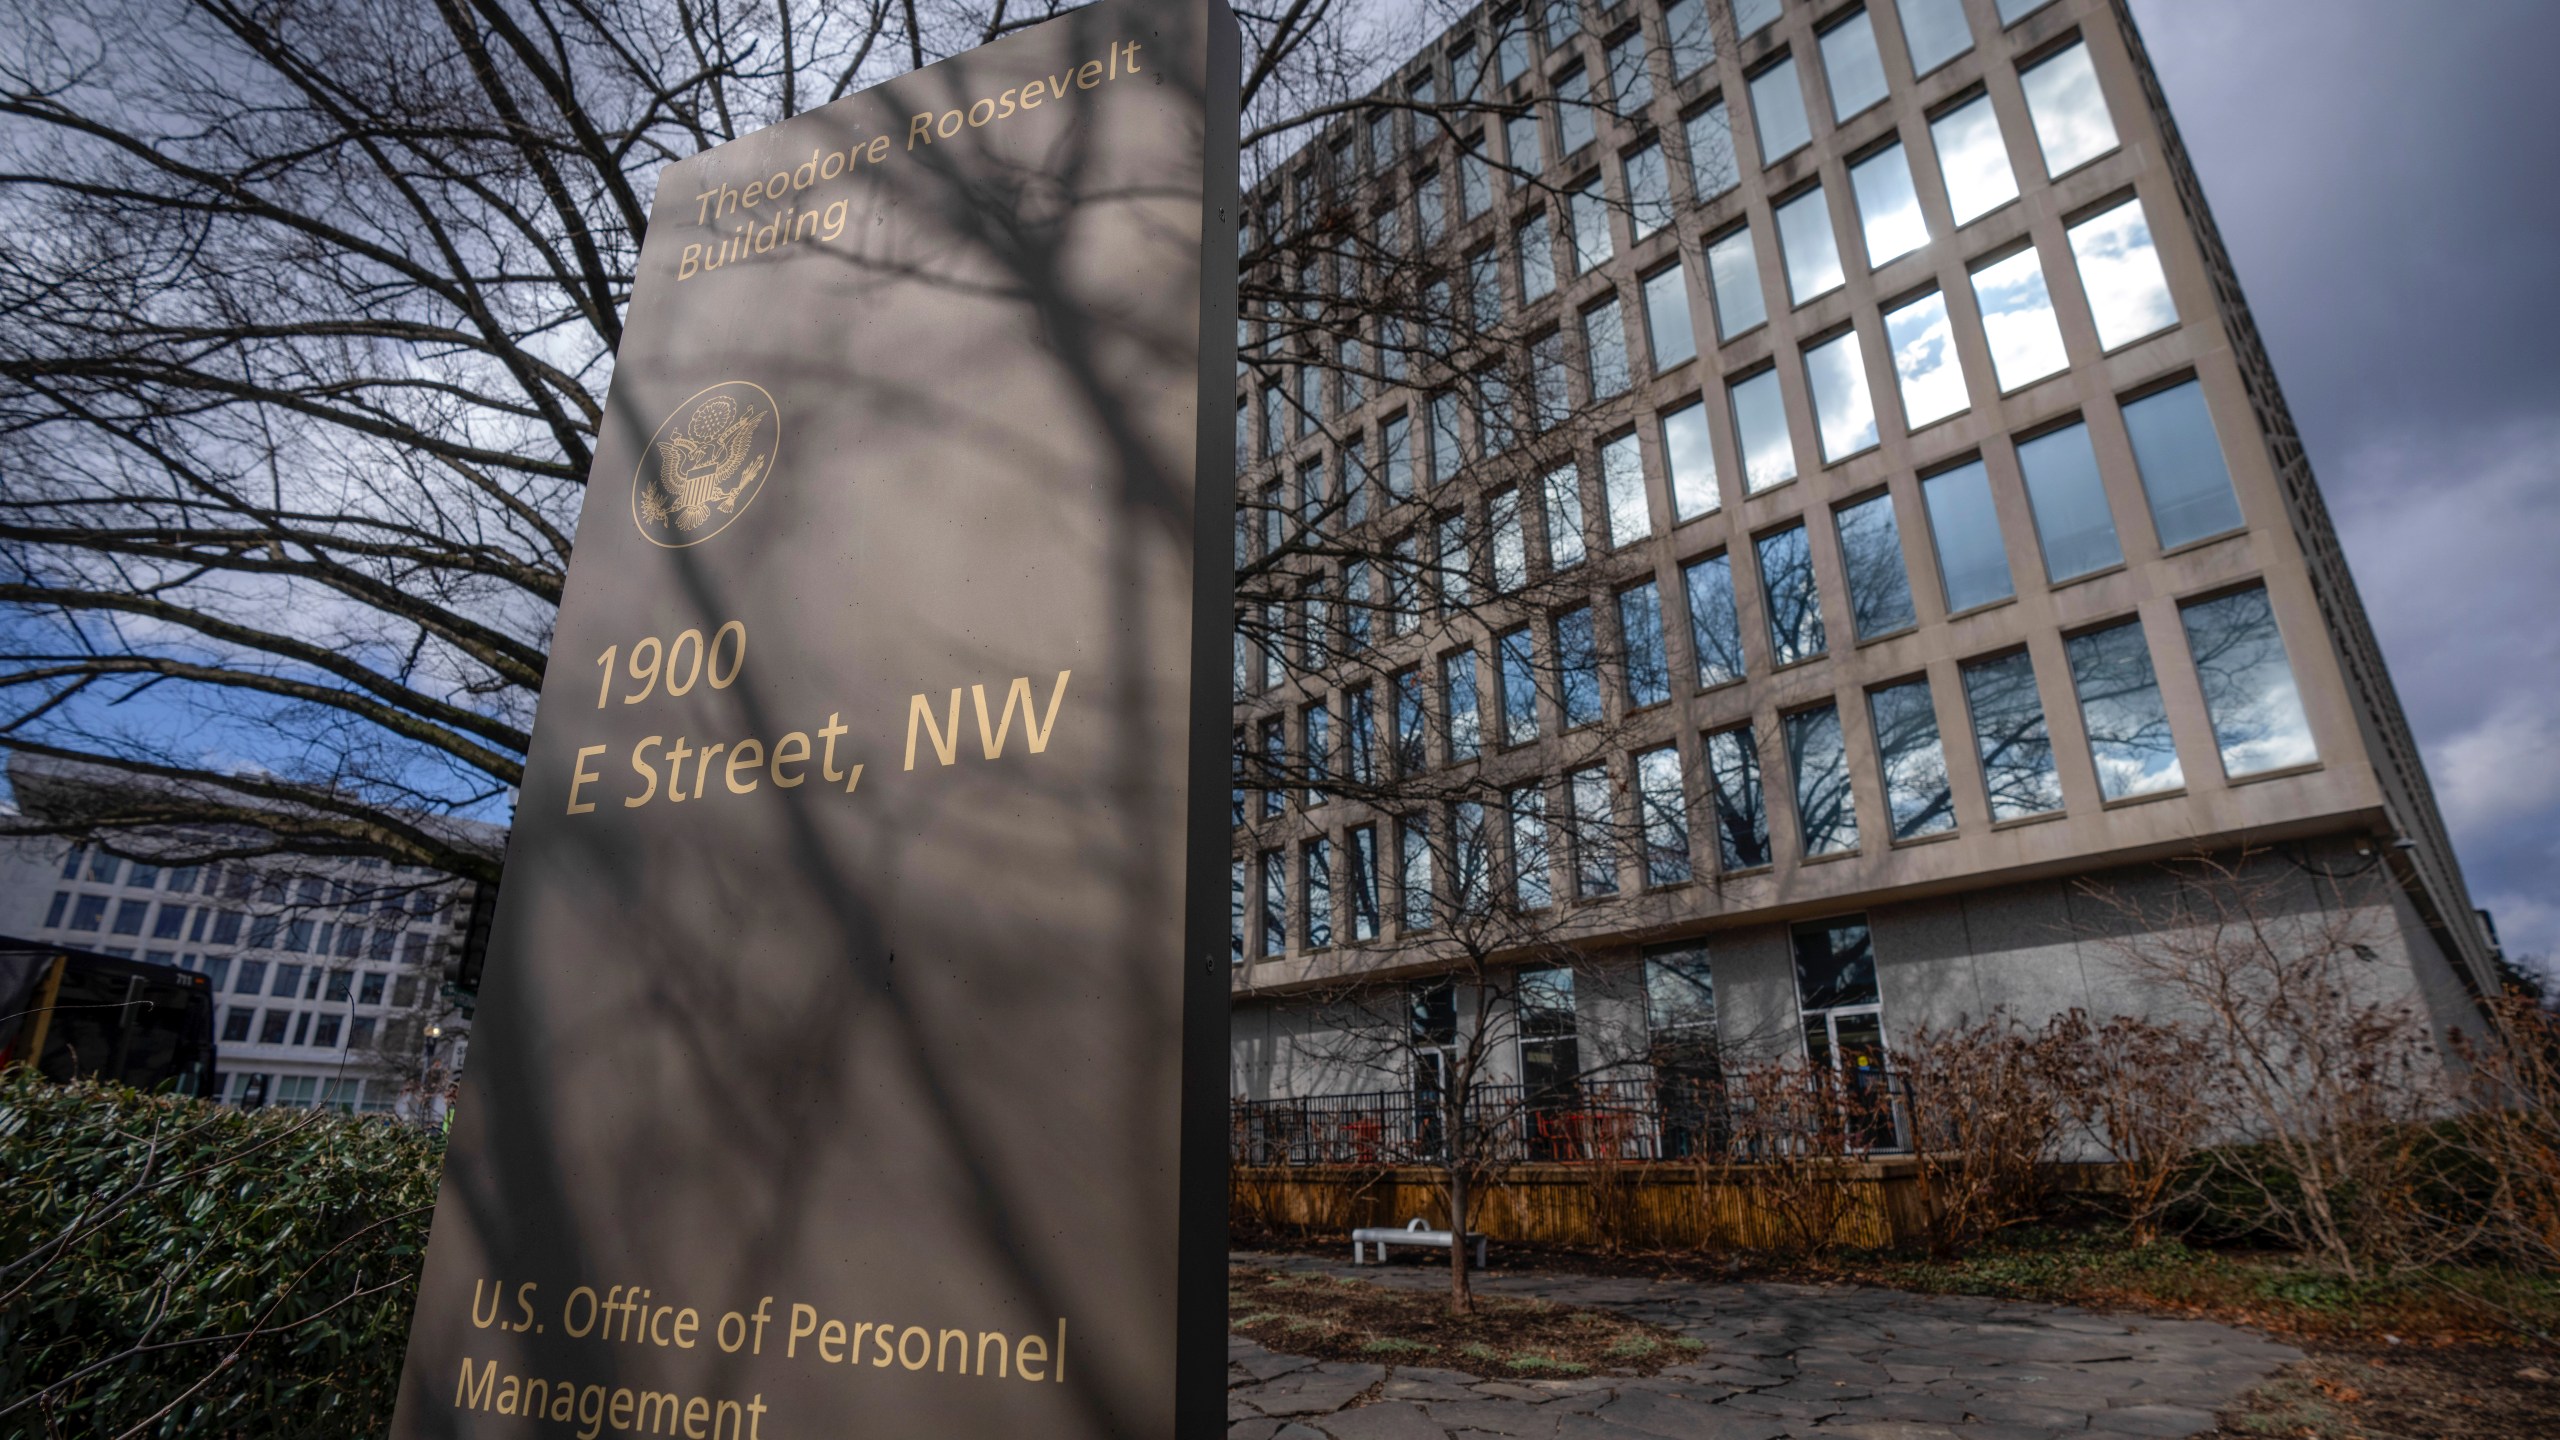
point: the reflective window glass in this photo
(1826, 815)
(1760, 421)
(2183, 473)
(1715, 631)
(1275, 903)
(1888, 208)
(1604, 340)
(1532, 885)
(1316, 878)
(1445, 454)
(1563, 20)
(1742, 821)
(1666, 315)
(1640, 631)
(1665, 799)
(1972, 160)
(1648, 191)
(1550, 397)
(1537, 255)
(1475, 178)
(1788, 591)
(2009, 730)
(1924, 361)
(2249, 689)
(1363, 857)
(1711, 164)
(2120, 273)
(1564, 517)
(1688, 454)
(1630, 79)
(1935, 31)
(1916, 790)
(1851, 64)
(1577, 659)
(1458, 703)
(1972, 564)
(1595, 847)
(1777, 107)
(1733, 264)
(1835, 966)
(2070, 114)
(1413, 872)
(1622, 476)
(1804, 237)
(1520, 143)
(1752, 16)
(2013, 11)
(2070, 503)
(1519, 674)
(1844, 413)
(1510, 47)
(2017, 320)
(1592, 244)
(1575, 124)
(1871, 554)
(1510, 542)
(2120, 706)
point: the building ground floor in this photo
(1840, 992)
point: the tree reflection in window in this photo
(1795, 605)
(1826, 815)
(2009, 731)
(1714, 628)
(2249, 689)
(1577, 667)
(1742, 822)
(1879, 584)
(2120, 706)
(1916, 790)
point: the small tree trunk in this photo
(1461, 1296)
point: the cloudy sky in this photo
(2387, 177)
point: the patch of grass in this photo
(1392, 1345)
(1337, 1317)
(1528, 1364)
(1633, 1347)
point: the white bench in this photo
(1413, 1233)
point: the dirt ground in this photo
(1332, 1318)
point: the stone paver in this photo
(1778, 1362)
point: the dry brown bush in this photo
(2144, 1092)
(1987, 1119)
(2512, 1126)
(1794, 1131)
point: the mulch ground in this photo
(2405, 1393)
(1334, 1318)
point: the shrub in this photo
(173, 1268)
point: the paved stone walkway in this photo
(1779, 1361)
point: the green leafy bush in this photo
(173, 1268)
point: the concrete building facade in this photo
(1945, 540)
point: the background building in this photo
(1875, 530)
(334, 979)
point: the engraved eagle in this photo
(706, 464)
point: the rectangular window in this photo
(1871, 553)
(1510, 542)
(1889, 215)
(1973, 565)
(171, 923)
(1534, 244)
(1712, 170)
(2183, 474)
(1517, 652)
(1804, 238)
(129, 917)
(1355, 482)
(1972, 160)
(1577, 651)
(88, 912)
(1693, 40)
(1622, 475)
(1532, 885)
(1665, 801)
(1934, 31)
(1752, 16)
(2249, 690)
(2017, 319)
(2070, 115)
(253, 978)
(1844, 411)
(1396, 439)
(1458, 703)
(1311, 498)
(1431, 210)
(1648, 191)
(1595, 852)
(1347, 369)
(1275, 766)
(103, 867)
(1457, 563)
(370, 993)
(1360, 735)
(1575, 125)
(1666, 316)
(325, 1034)
(1924, 361)
(1760, 425)
(1917, 796)
(1411, 755)
(1592, 245)
(235, 1024)
(1363, 855)
(340, 988)
(1630, 81)
(1826, 815)
(1495, 408)
(1484, 288)
(1851, 63)
(1316, 876)
(53, 912)
(1316, 725)
(272, 1027)
(1470, 858)
(1604, 340)
(1733, 265)
(71, 861)
(263, 930)
(1563, 21)
(2120, 273)
(1680, 1017)
(1690, 456)
(1275, 629)
(1510, 48)
(1550, 393)
(1275, 902)
(1777, 105)
(1787, 588)
(1564, 517)
(1742, 821)
(1358, 601)
(2120, 707)
(1445, 455)
(1640, 629)
(1715, 631)
(1413, 875)
(2009, 730)
(2070, 503)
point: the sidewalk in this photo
(1780, 1360)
